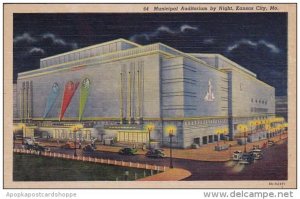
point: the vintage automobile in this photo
(128, 151)
(257, 153)
(237, 155)
(69, 145)
(155, 153)
(36, 147)
(41, 148)
(271, 143)
(88, 148)
(28, 141)
(247, 158)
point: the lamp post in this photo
(171, 135)
(245, 147)
(75, 129)
(150, 128)
(23, 133)
(218, 132)
(171, 130)
(225, 134)
(243, 129)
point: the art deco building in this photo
(115, 89)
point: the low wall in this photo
(95, 160)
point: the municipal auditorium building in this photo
(118, 88)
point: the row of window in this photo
(259, 101)
(210, 121)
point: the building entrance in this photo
(204, 139)
(133, 136)
(197, 141)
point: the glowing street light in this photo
(221, 131)
(171, 130)
(218, 131)
(268, 128)
(243, 129)
(150, 127)
(23, 126)
(75, 129)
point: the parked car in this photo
(257, 153)
(41, 148)
(88, 148)
(29, 146)
(155, 153)
(28, 141)
(128, 151)
(271, 143)
(36, 147)
(247, 158)
(237, 155)
(69, 145)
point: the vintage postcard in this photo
(126, 95)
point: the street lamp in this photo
(171, 130)
(225, 133)
(150, 128)
(23, 132)
(218, 132)
(75, 129)
(267, 128)
(251, 124)
(243, 129)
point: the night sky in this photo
(257, 41)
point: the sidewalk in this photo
(174, 174)
(203, 153)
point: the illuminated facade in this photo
(115, 89)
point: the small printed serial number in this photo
(277, 183)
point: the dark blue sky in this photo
(257, 41)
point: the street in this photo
(273, 166)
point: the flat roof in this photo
(92, 46)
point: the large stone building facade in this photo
(115, 89)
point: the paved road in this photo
(272, 167)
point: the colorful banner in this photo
(51, 99)
(84, 93)
(69, 91)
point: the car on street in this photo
(69, 145)
(88, 148)
(247, 158)
(237, 155)
(28, 141)
(155, 153)
(128, 151)
(41, 148)
(271, 143)
(36, 147)
(257, 153)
